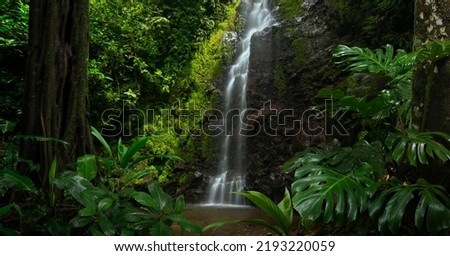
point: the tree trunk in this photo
(432, 23)
(56, 83)
(432, 110)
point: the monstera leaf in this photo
(341, 159)
(326, 195)
(377, 61)
(418, 146)
(434, 51)
(432, 206)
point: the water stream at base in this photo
(232, 167)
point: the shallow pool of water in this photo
(204, 215)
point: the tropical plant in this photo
(335, 184)
(417, 147)
(281, 214)
(22, 209)
(431, 203)
(108, 208)
(109, 212)
(329, 195)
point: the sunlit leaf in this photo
(105, 204)
(73, 183)
(79, 222)
(161, 198)
(126, 154)
(269, 207)
(146, 200)
(98, 135)
(87, 167)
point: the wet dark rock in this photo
(289, 63)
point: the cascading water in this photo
(232, 168)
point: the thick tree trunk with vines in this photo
(432, 109)
(56, 83)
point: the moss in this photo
(207, 147)
(201, 76)
(280, 80)
(289, 9)
(303, 50)
(206, 67)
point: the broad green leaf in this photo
(52, 172)
(73, 183)
(412, 153)
(395, 209)
(162, 199)
(145, 224)
(87, 212)
(122, 150)
(131, 214)
(161, 229)
(179, 204)
(105, 204)
(268, 207)
(432, 209)
(99, 136)
(138, 175)
(93, 230)
(397, 154)
(421, 153)
(286, 206)
(107, 227)
(128, 153)
(88, 200)
(79, 222)
(17, 181)
(434, 51)
(310, 208)
(324, 194)
(5, 210)
(87, 167)
(146, 200)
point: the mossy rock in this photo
(289, 9)
(303, 50)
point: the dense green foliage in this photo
(368, 23)
(141, 50)
(375, 22)
(13, 44)
(105, 191)
(380, 177)
(168, 57)
(108, 208)
(143, 55)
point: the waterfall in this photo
(232, 168)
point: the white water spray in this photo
(232, 168)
